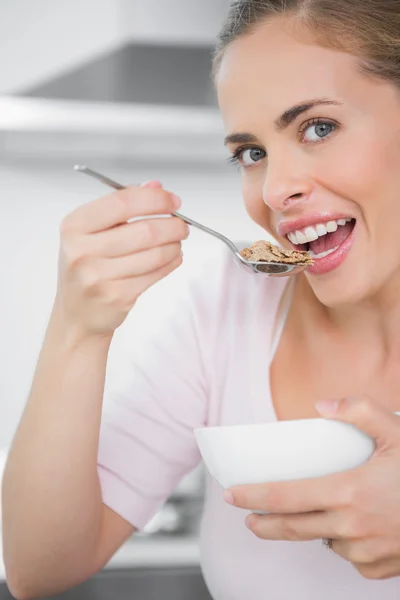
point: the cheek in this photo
(365, 173)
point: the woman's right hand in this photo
(106, 263)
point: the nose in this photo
(285, 186)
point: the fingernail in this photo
(327, 406)
(228, 497)
(151, 183)
(176, 200)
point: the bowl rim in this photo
(278, 423)
(282, 423)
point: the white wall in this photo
(194, 21)
(33, 200)
(41, 38)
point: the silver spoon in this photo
(267, 268)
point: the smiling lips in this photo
(320, 238)
(312, 233)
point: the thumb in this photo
(370, 417)
(153, 183)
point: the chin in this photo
(337, 291)
(354, 282)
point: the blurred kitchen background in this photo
(123, 86)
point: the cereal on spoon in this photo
(263, 251)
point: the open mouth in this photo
(322, 239)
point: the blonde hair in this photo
(368, 29)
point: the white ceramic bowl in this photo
(281, 450)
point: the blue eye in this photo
(318, 130)
(247, 157)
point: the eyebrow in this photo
(292, 113)
(283, 121)
(240, 138)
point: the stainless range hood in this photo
(140, 101)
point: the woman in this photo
(309, 94)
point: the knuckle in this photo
(122, 200)
(185, 231)
(128, 298)
(357, 527)
(171, 266)
(350, 495)
(257, 527)
(289, 532)
(75, 256)
(149, 232)
(181, 228)
(174, 264)
(92, 280)
(160, 255)
(365, 408)
(175, 250)
(164, 198)
(157, 198)
(171, 253)
(177, 261)
(111, 295)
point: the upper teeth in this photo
(311, 233)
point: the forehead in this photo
(272, 69)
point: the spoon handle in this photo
(216, 234)
(118, 186)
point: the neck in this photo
(374, 322)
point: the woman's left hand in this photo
(358, 509)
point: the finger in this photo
(293, 528)
(300, 496)
(143, 283)
(385, 569)
(119, 207)
(138, 236)
(142, 263)
(370, 417)
(153, 183)
(123, 293)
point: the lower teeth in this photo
(323, 254)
